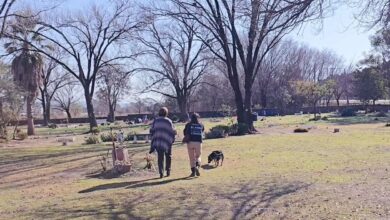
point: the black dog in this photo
(216, 156)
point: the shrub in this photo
(317, 118)
(239, 129)
(325, 118)
(175, 118)
(301, 130)
(225, 128)
(387, 124)
(215, 133)
(381, 114)
(22, 135)
(53, 126)
(93, 139)
(95, 130)
(108, 137)
(348, 112)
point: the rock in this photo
(336, 130)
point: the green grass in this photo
(273, 175)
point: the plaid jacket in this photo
(163, 134)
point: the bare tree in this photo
(114, 83)
(92, 41)
(180, 60)
(228, 25)
(53, 79)
(65, 98)
(5, 12)
(373, 13)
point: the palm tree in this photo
(27, 64)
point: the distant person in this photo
(193, 135)
(163, 135)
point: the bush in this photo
(93, 139)
(175, 118)
(387, 124)
(216, 133)
(53, 126)
(317, 118)
(239, 129)
(381, 114)
(348, 112)
(325, 118)
(22, 135)
(225, 128)
(95, 130)
(108, 137)
(301, 130)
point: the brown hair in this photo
(163, 112)
(195, 118)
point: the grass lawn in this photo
(275, 174)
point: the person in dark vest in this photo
(193, 132)
(163, 135)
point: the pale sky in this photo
(339, 33)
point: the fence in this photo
(216, 114)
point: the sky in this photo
(339, 33)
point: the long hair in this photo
(195, 118)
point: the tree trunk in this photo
(315, 110)
(90, 109)
(3, 125)
(338, 102)
(44, 109)
(248, 108)
(263, 98)
(182, 102)
(30, 119)
(111, 113)
(328, 102)
(68, 114)
(48, 110)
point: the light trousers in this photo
(194, 152)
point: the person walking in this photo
(163, 135)
(193, 135)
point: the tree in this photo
(53, 79)
(91, 41)
(373, 13)
(312, 92)
(11, 100)
(114, 83)
(241, 33)
(65, 98)
(180, 61)
(5, 10)
(329, 90)
(27, 64)
(369, 85)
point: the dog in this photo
(216, 156)
(149, 162)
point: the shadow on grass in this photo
(208, 167)
(249, 200)
(357, 120)
(133, 184)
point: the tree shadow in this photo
(251, 201)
